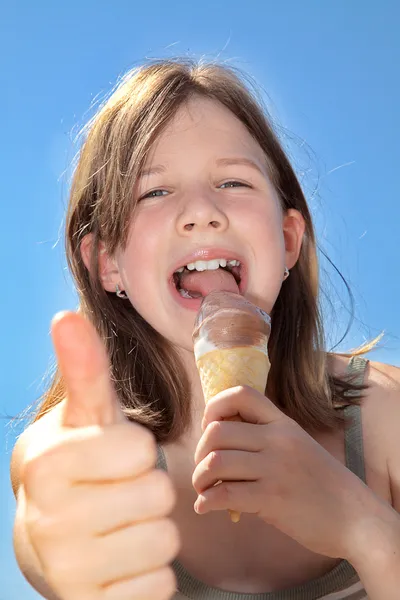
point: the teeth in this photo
(200, 265)
(184, 293)
(209, 265)
(212, 265)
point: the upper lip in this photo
(207, 254)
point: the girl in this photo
(182, 187)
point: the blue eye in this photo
(154, 193)
(238, 183)
(149, 195)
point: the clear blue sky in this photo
(330, 73)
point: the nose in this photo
(202, 214)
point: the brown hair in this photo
(151, 383)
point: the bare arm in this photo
(379, 568)
(378, 562)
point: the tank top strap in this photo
(161, 460)
(353, 428)
(357, 366)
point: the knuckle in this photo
(240, 390)
(214, 460)
(214, 429)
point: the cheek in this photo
(136, 264)
(262, 227)
(261, 222)
(138, 281)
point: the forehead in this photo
(205, 125)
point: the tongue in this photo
(204, 282)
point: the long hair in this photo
(151, 383)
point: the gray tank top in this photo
(342, 582)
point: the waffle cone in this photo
(226, 368)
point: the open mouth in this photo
(211, 273)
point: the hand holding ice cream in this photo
(231, 346)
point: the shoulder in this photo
(381, 400)
(383, 380)
(385, 409)
(380, 413)
(382, 404)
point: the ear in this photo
(293, 232)
(108, 269)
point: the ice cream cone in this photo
(226, 368)
(230, 343)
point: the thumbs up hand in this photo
(96, 507)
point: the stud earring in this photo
(286, 274)
(120, 293)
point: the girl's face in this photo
(193, 205)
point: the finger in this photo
(230, 495)
(83, 362)
(140, 548)
(250, 405)
(229, 435)
(155, 585)
(117, 505)
(226, 465)
(87, 459)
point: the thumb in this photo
(84, 366)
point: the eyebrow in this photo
(220, 162)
